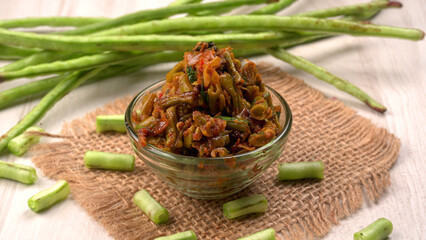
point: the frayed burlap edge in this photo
(357, 157)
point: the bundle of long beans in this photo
(99, 48)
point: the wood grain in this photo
(392, 71)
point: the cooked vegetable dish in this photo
(212, 105)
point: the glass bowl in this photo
(209, 178)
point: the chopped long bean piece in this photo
(31, 22)
(18, 172)
(267, 234)
(326, 76)
(300, 170)
(154, 210)
(187, 235)
(273, 7)
(109, 161)
(137, 43)
(20, 144)
(353, 9)
(48, 101)
(246, 205)
(378, 230)
(110, 123)
(47, 198)
(150, 14)
(235, 124)
(12, 53)
(262, 23)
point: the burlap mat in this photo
(357, 156)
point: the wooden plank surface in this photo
(390, 70)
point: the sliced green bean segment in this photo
(147, 15)
(235, 124)
(267, 234)
(188, 235)
(20, 144)
(31, 22)
(47, 198)
(110, 123)
(109, 161)
(246, 205)
(378, 230)
(263, 23)
(323, 74)
(300, 170)
(18, 172)
(48, 101)
(155, 211)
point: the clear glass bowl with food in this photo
(212, 127)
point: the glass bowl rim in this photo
(208, 160)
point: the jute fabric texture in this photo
(357, 156)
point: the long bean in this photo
(354, 9)
(31, 22)
(38, 58)
(246, 205)
(114, 123)
(12, 53)
(273, 7)
(164, 12)
(323, 74)
(109, 161)
(13, 95)
(138, 43)
(61, 89)
(275, 23)
(155, 211)
(75, 64)
(267, 234)
(183, 2)
(301, 170)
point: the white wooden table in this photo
(390, 70)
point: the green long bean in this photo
(354, 9)
(138, 43)
(13, 95)
(323, 74)
(274, 23)
(75, 64)
(164, 12)
(20, 144)
(61, 89)
(183, 2)
(31, 22)
(37, 58)
(273, 7)
(12, 53)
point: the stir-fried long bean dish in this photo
(212, 105)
